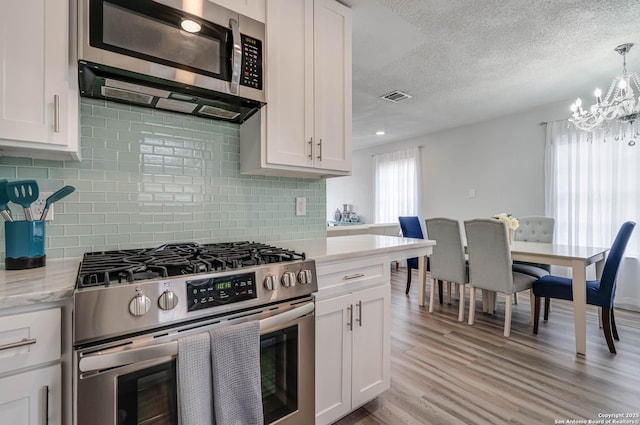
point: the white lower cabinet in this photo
(30, 368)
(32, 398)
(352, 350)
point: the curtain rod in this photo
(380, 153)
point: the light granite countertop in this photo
(56, 281)
(53, 282)
(354, 246)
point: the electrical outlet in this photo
(38, 206)
(301, 206)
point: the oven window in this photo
(148, 397)
(279, 373)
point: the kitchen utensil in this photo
(24, 193)
(4, 198)
(55, 197)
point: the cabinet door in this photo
(371, 344)
(334, 319)
(34, 93)
(289, 49)
(252, 8)
(27, 397)
(332, 93)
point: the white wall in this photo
(501, 159)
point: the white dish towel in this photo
(235, 365)
(195, 400)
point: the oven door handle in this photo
(99, 361)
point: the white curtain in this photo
(396, 176)
(592, 186)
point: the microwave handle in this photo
(100, 361)
(236, 61)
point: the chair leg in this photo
(448, 292)
(536, 315)
(606, 327)
(547, 306)
(515, 298)
(472, 305)
(461, 307)
(440, 294)
(507, 314)
(613, 326)
(408, 281)
(531, 303)
(432, 295)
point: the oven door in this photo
(135, 381)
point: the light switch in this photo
(472, 193)
(301, 206)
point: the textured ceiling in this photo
(466, 61)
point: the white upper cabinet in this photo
(38, 88)
(305, 128)
(254, 9)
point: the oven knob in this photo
(288, 279)
(139, 305)
(168, 300)
(305, 277)
(270, 282)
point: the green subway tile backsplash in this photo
(150, 177)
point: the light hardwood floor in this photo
(447, 372)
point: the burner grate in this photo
(104, 268)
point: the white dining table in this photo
(577, 258)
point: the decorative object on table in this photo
(354, 218)
(618, 111)
(512, 223)
(337, 216)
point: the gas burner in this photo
(105, 268)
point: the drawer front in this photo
(29, 339)
(341, 276)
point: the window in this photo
(592, 186)
(396, 179)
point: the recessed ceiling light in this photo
(190, 26)
(379, 133)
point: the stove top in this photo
(105, 268)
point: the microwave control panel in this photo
(251, 72)
(215, 291)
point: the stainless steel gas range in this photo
(131, 306)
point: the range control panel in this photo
(215, 291)
(251, 69)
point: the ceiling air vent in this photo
(395, 96)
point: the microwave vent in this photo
(176, 105)
(213, 111)
(395, 96)
(126, 96)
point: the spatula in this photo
(4, 209)
(55, 197)
(24, 193)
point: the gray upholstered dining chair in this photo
(447, 260)
(535, 229)
(490, 265)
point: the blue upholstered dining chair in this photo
(599, 292)
(410, 227)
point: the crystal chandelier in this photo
(618, 110)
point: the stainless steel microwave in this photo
(189, 56)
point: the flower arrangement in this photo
(512, 222)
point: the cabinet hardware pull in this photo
(354, 276)
(350, 322)
(311, 148)
(20, 343)
(44, 406)
(56, 113)
(359, 319)
(320, 150)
